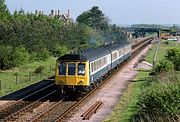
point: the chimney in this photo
(36, 12)
(58, 12)
(68, 13)
(42, 12)
(39, 13)
(52, 12)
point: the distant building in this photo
(63, 17)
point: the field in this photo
(17, 78)
(125, 108)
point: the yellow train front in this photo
(72, 73)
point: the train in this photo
(82, 71)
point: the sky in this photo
(118, 11)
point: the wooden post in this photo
(41, 74)
(0, 85)
(29, 76)
(50, 69)
(155, 54)
(16, 79)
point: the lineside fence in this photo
(19, 81)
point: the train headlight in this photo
(80, 83)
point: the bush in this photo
(21, 56)
(6, 57)
(166, 42)
(43, 55)
(160, 101)
(60, 51)
(163, 66)
(39, 70)
(173, 55)
(12, 57)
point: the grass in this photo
(124, 108)
(161, 51)
(25, 75)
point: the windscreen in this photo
(71, 69)
(62, 69)
(81, 69)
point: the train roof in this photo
(72, 57)
(96, 53)
(102, 51)
(92, 54)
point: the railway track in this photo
(57, 110)
(14, 106)
(24, 112)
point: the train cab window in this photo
(71, 69)
(81, 69)
(62, 69)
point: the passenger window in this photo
(91, 67)
(71, 69)
(95, 65)
(62, 69)
(81, 69)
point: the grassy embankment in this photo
(125, 108)
(25, 75)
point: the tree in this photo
(93, 18)
(173, 29)
(4, 12)
(59, 51)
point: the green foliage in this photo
(163, 66)
(173, 55)
(59, 51)
(93, 18)
(173, 29)
(21, 56)
(149, 26)
(6, 57)
(43, 55)
(11, 57)
(166, 42)
(39, 70)
(43, 35)
(97, 20)
(116, 34)
(4, 12)
(159, 102)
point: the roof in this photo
(72, 57)
(96, 53)
(93, 54)
(102, 51)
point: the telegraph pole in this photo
(155, 54)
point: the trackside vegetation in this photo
(154, 96)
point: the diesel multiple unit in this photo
(83, 70)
